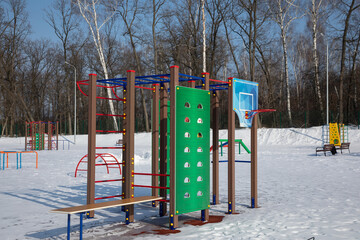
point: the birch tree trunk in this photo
(88, 12)
(286, 72)
(314, 19)
(282, 15)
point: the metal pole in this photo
(74, 101)
(327, 82)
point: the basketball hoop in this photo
(252, 113)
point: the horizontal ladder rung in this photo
(110, 131)
(110, 115)
(110, 180)
(110, 148)
(115, 99)
(108, 197)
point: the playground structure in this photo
(187, 165)
(335, 135)
(18, 158)
(41, 136)
(224, 143)
(102, 159)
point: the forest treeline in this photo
(281, 44)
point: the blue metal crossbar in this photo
(239, 161)
(114, 83)
(189, 76)
(161, 78)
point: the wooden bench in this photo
(325, 148)
(102, 205)
(344, 146)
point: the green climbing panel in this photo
(192, 187)
(37, 141)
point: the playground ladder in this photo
(325, 134)
(109, 160)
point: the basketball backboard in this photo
(245, 99)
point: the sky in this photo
(39, 27)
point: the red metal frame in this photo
(252, 113)
(106, 163)
(214, 80)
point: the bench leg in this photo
(81, 226)
(68, 228)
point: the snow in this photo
(300, 195)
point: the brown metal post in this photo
(41, 133)
(191, 84)
(254, 196)
(49, 135)
(129, 134)
(206, 84)
(174, 81)
(163, 146)
(57, 135)
(125, 120)
(215, 127)
(91, 142)
(26, 135)
(206, 87)
(155, 142)
(32, 136)
(231, 149)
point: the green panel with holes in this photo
(192, 150)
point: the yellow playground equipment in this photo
(338, 133)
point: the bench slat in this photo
(104, 205)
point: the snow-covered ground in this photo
(300, 195)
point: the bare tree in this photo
(62, 18)
(225, 10)
(315, 13)
(13, 36)
(283, 16)
(350, 8)
(89, 11)
(156, 6)
(128, 11)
